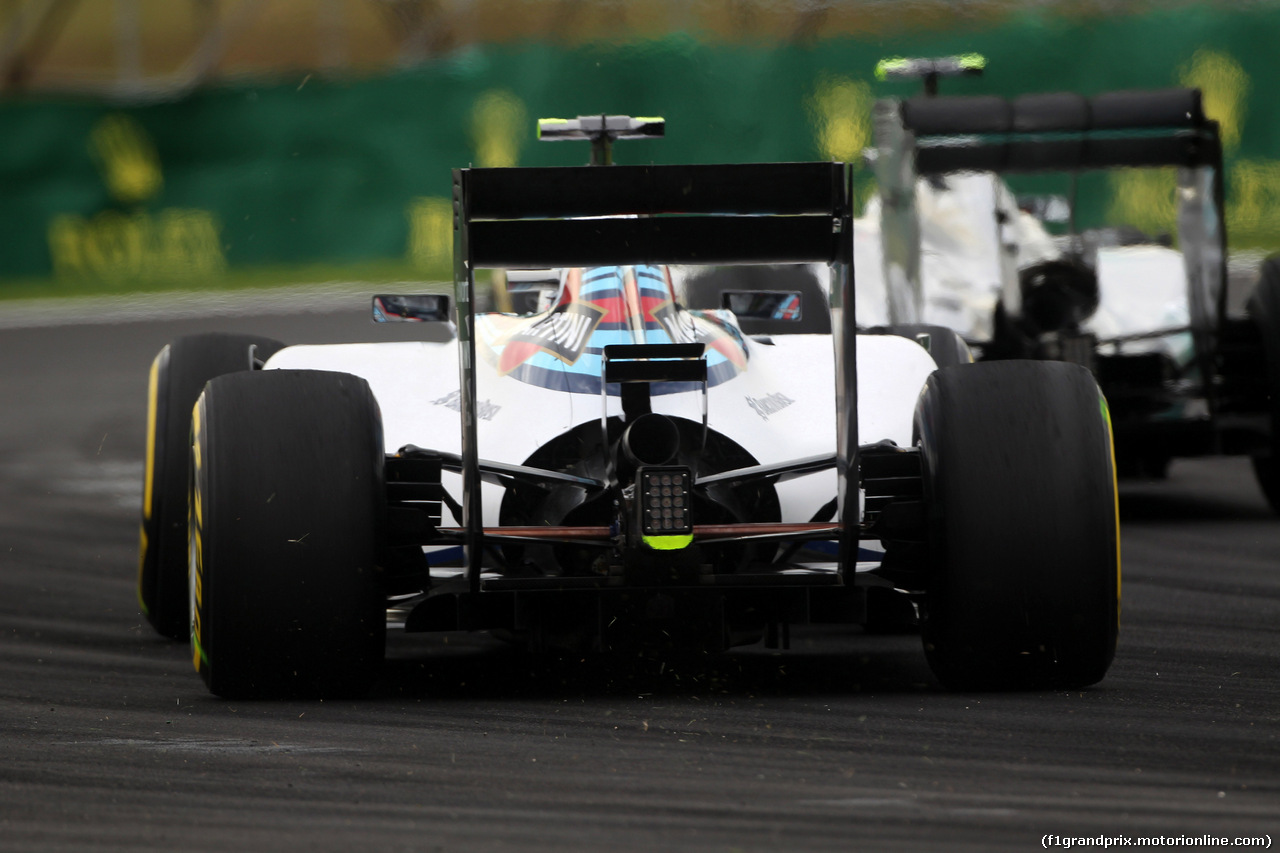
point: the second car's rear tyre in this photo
(1264, 310)
(287, 500)
(178, 374)
(1024, 566)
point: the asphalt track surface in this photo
(109, 740)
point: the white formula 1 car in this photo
(946, 243)
(620, 473)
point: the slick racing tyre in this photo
(1264, 310)
(178, 373)
(946, 347)
(1023, 585)
(287, 498)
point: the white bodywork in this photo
(963, 269)
(780, 408)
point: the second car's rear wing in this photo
(1057, 132)
(704, 214)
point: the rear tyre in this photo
(178, 374)
(1024, 567)
(287, 500)
(1264, 309)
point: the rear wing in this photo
(1059, 132)
(586, 215)
(525, 218)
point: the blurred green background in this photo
(189, 144)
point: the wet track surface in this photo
(109, 741)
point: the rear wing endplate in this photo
(759, 213)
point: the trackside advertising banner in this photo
(312, 170)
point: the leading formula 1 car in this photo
(947, 243)
(618, 472)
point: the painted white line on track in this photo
(326, 298)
